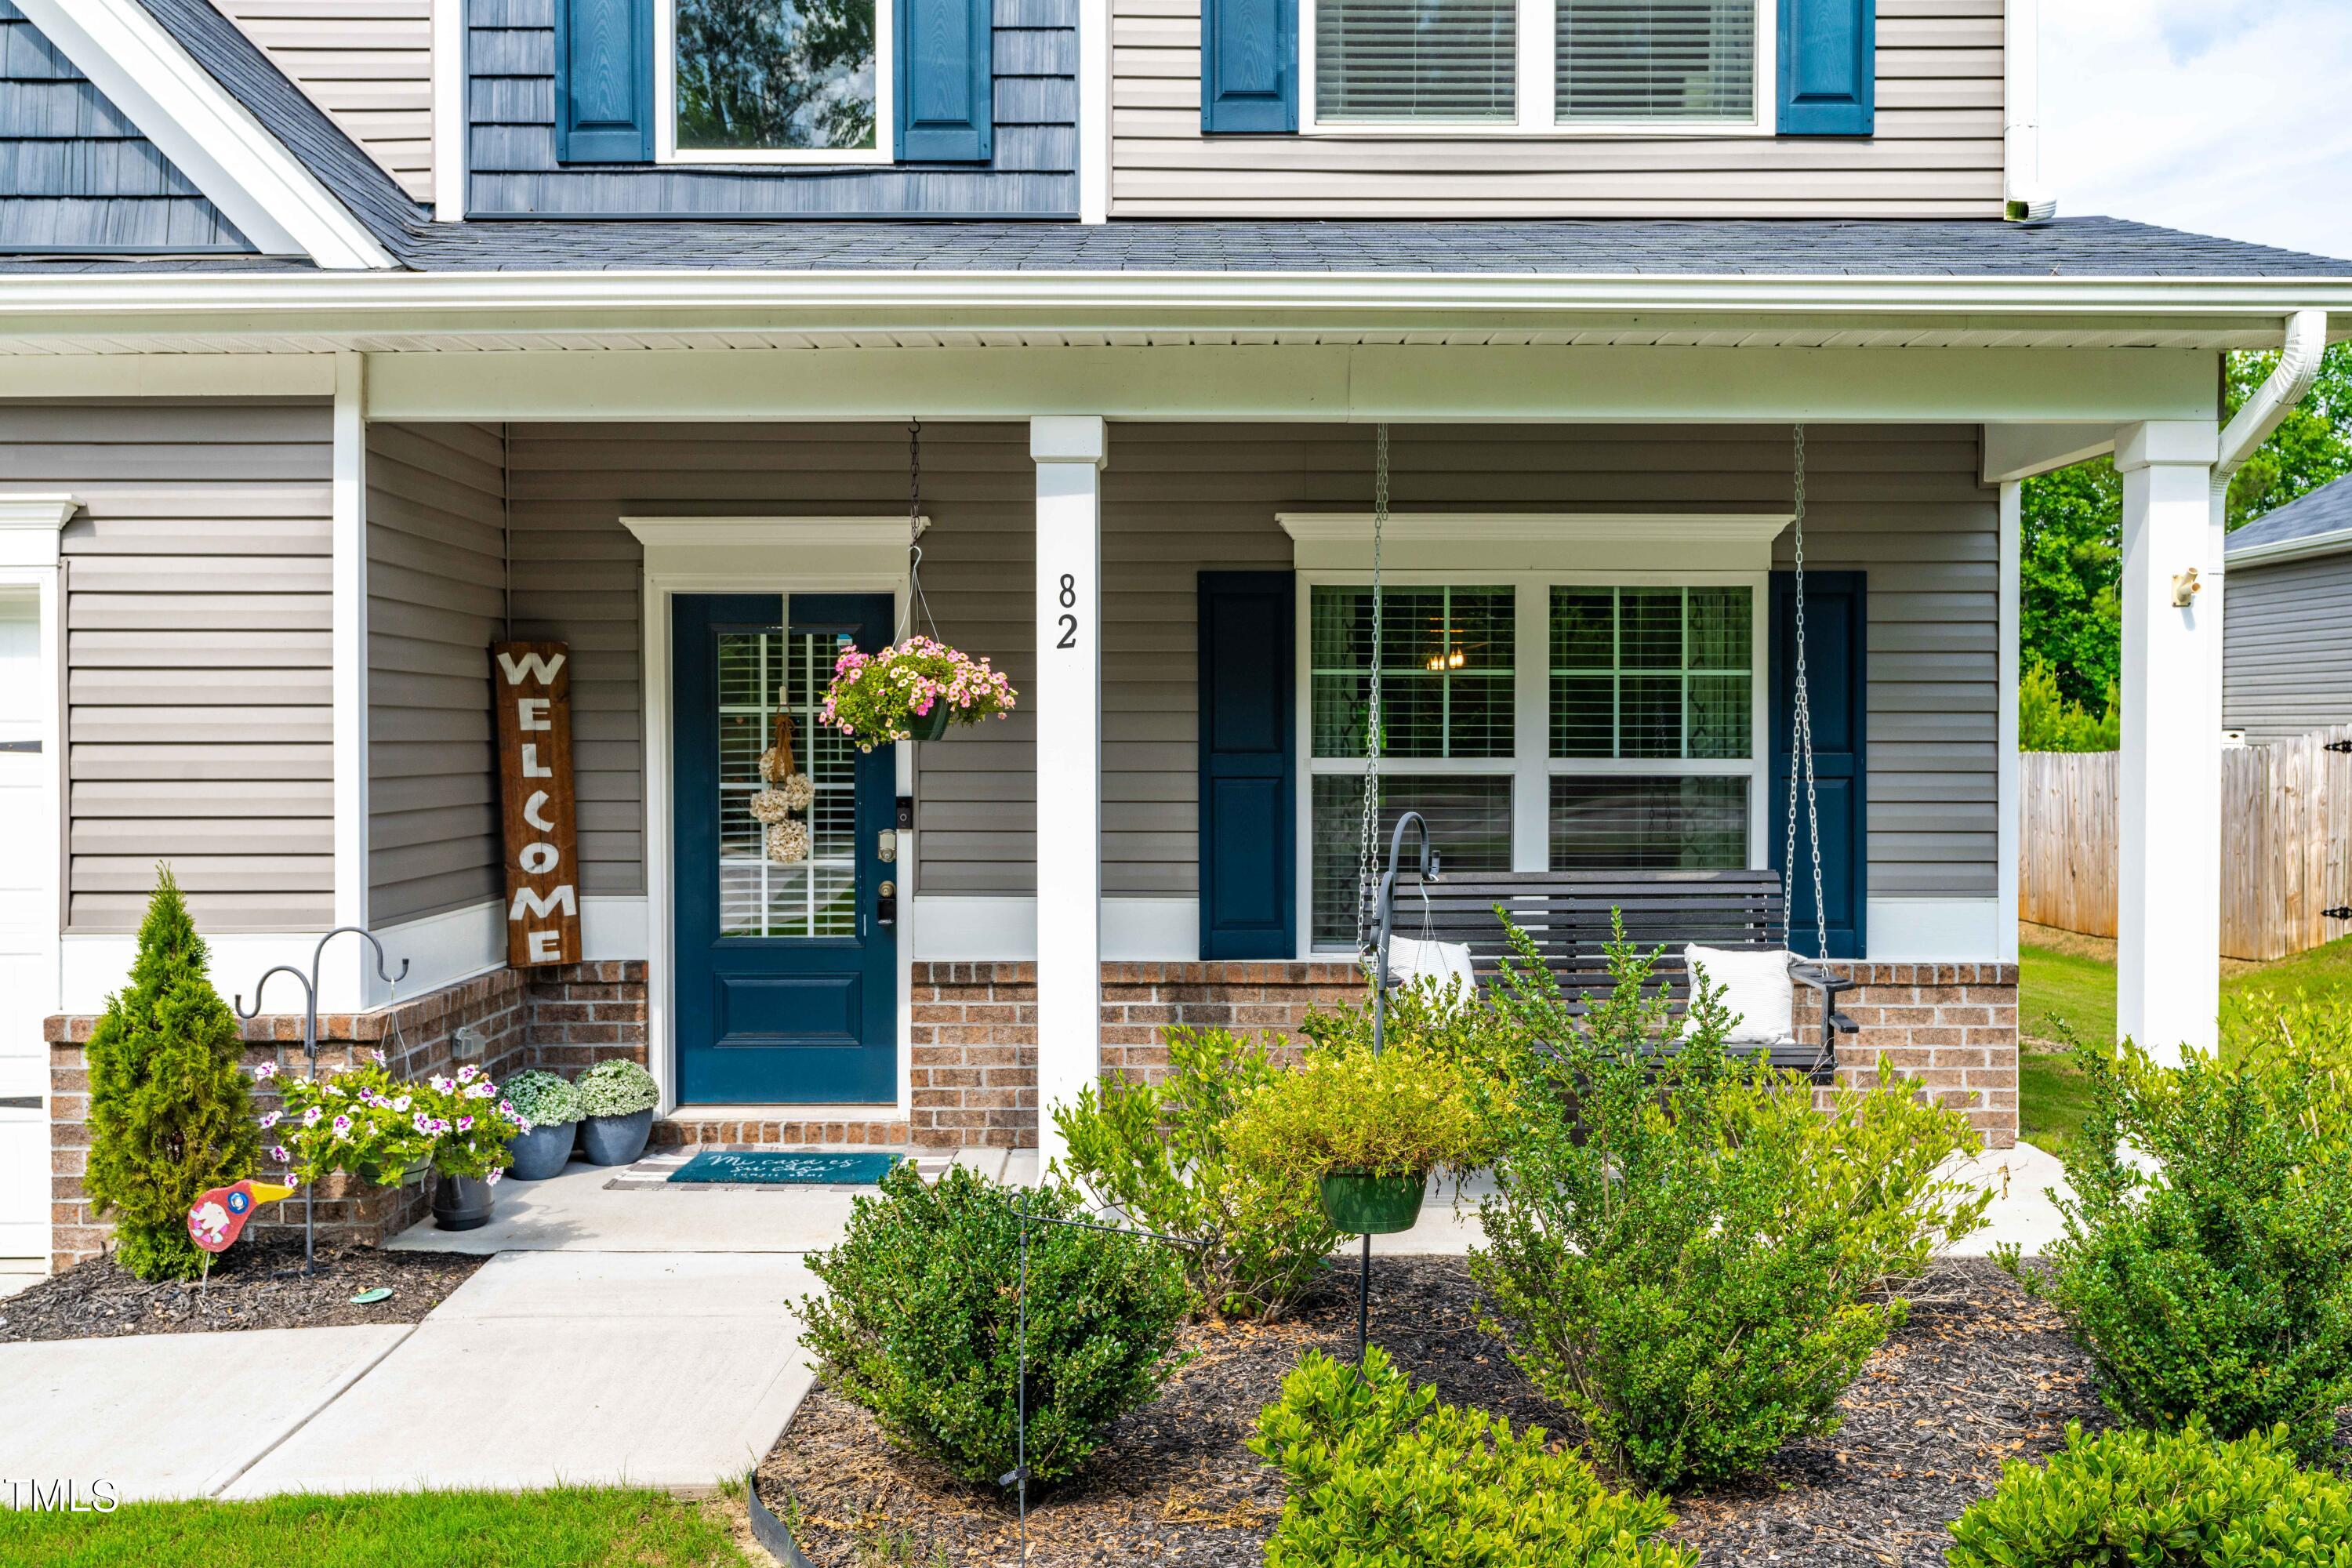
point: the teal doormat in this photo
(784, 1168)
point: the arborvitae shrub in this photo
(169, 1115)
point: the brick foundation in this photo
(1953, 1027)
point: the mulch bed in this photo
(256, 1284)
(1979, 1373)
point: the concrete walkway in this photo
(624, 1331)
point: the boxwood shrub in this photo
(2170, 1500)
(919, 1323)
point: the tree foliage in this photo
(2046, 721)
(2072, 527)
(169, 1114)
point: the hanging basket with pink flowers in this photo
(913, 690)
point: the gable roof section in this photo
(257, 179)
(2318, 524)
(75, 175)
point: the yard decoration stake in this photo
(531, 689)
(218, 1217)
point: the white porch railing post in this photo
(1069, 453)
(2168, 853)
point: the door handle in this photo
(886, 904)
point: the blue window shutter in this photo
(1829, 66)
(945, 82)
(1837, 681)
(605, 81)
(1248, 788)
(1249, 66)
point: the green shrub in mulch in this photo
(1381, 1475)
(1160, 1152)
(2165, 1500)
(1682, 1249)
(2207, 1263)
(169, 1112)
(919, 1324)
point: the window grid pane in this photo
(1469, 823)
(1446, 685)
(761, 674)
(1651, 673)
(1447, 61)
(1654, 60)
(1649, 824)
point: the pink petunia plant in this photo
(874, 697)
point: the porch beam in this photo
(1310, 383)
(1069, 453)
(2169, 861)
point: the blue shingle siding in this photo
(1032, 172)
(75, 173)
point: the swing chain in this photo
(1801, 749)
(1368, 868)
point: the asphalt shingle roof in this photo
(2327, 509)
(2069, 247)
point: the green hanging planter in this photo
(1362, 1204)
(930, 726)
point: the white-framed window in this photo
(1558, 720)
(772, 81)
(1644, 67)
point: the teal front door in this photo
(786, 969)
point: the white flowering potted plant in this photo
(616, 1111)
(551, 1107)
(371, 1126)
(911, 690)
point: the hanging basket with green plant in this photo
(1367, 1130)
(913, 690)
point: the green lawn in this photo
(579, 1527)
(2074, 983)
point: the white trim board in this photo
(1941, 931)
(1533, 542)
(987, 930)
(259, 184)
(29, 530)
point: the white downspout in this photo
(2025, 199)
(2290, 382)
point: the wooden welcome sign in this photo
(532, 686)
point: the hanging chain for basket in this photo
(1800, 748)
(914, 598)
(1368, 866)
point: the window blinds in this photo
(1415, 59)
(1654, 60)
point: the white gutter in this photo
(2334, 541)
(2026, 199)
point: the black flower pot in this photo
(616, 1139)
(461, 1203)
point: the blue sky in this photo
(2224, 116)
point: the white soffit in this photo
(1492, 541)
(214, 141)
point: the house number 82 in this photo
(1069, 622)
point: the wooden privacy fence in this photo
(2287, 843)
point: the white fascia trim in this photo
(2334, 541)
(214, 139)
(522, 301)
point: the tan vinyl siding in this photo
(2287, 665)
(1936, 152)
(1903, 504)
(199, 727)
(367, 63)
(435, 602)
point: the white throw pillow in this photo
(1444, 962)
(1756, 988)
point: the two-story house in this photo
(340, 339)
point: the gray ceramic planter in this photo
(542, 1152)
(461, 1203)
(616, 1139)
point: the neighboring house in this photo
(2287, 662)
(338, 340)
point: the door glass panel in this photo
(761, 674)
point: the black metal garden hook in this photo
(310, 984)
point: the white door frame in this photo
(753, 555)
(32, 565)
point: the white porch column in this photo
(2169, 871)
(345, 981)
(1069, 454)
